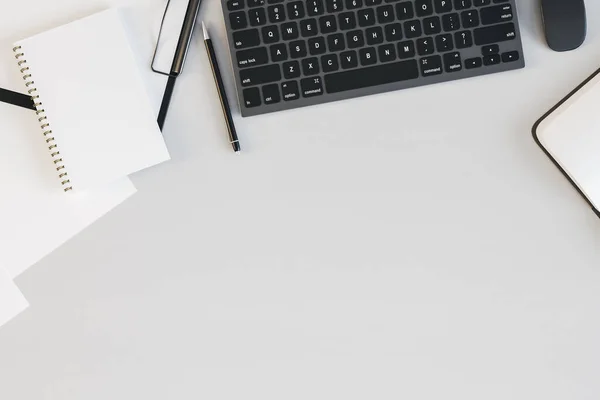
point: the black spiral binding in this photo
(43, 119)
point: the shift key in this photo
(495, 34)
(260, 75)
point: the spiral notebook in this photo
(92, 106)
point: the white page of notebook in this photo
(36, 217)
(572, 136)
(95, 100)
(12, 302)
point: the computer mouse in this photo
(564, 23)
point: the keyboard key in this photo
(495, 34)
(238, 20)
(334, 5)
(444, 42)
(491, 49)
(314, 7)
(510, 56)
(308, 27)
(432, 25)
(257, 16)
(278, 52)
(276, 14)
(372, 3)
(425, 46)
(412, 29)
(387, 52)
(256, 3)
(424, 7)
(406, 49)
(431, 65)
(353, 4)
(348, 59)
(450, 22)
(247, 38)
(290, 91)
(385, 14)
(252, 57)
(452, 62)
(405, 10)
(270, 34)
(298, 49)
(479, 3)
(462, 4)
(271, 94)
(330, 63)
(274, 1)
(347, 20)
(443, 6)
(463, 39)
(316, 46)
(491, 59)
(374, 35)
(371, 76)
(251, 97)
(336, 42)
(310, 66)
(291, 69)
(234, 5)
(328, 24)
(393, 32)
(496, 14)
(295, 10)
(312, 86)
(355, 39)
(367, 56)
(260, 75)
(470, 19)
(366, 17)
(471, 63)
(289, 31)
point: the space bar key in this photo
(371, 76)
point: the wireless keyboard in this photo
(289, 53)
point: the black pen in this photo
(183, 45)
(233, 138)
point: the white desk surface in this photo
(413, 245)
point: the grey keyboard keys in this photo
(247, 38)
(260, 75)
(371, 76)
(312, 86)
(495, 34)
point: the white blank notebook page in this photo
(572, 136)
(95, 100)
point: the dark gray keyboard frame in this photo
(474, 51)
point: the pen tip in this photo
(205, 31)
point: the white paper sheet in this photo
(36, 216)
(12, 302)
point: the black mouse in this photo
(564, 23)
